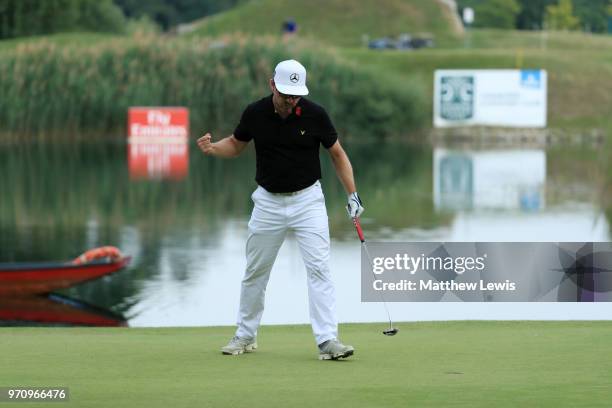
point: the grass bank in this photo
(578, 66)
(459, 364)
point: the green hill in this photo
(338, 22)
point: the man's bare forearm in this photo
(344, 170)
(227, 148)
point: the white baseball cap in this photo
(290, 78)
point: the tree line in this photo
(586, 15)
(20, 18)
(169, 13)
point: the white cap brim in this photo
(299, 90)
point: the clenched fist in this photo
(205, 144)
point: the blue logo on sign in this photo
(531, 79)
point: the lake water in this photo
(187, 236)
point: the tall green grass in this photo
(50, 89)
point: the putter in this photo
(391, 331)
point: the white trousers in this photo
(273, 215)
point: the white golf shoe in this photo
(333, 350)
(239, 345)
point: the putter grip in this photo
(358, 228)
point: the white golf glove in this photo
(354, 206)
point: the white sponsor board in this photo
(504, 97)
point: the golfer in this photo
(287, 130)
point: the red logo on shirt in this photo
(298, 111)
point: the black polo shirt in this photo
(287, 150)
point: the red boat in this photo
(26, 279)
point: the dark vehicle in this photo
(403, 42)
(382, 43)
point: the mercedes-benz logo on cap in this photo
(294, 77)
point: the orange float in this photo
(111, 252)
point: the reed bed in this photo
(50, 89)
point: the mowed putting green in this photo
(458, 364)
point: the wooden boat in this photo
(27, 279)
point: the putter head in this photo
(392, 331)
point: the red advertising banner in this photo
(158, 142)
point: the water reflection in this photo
(187, 238)
(500, 195)
(489, 179)
(55, 310)
(157, 159)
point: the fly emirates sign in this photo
(158, 142)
